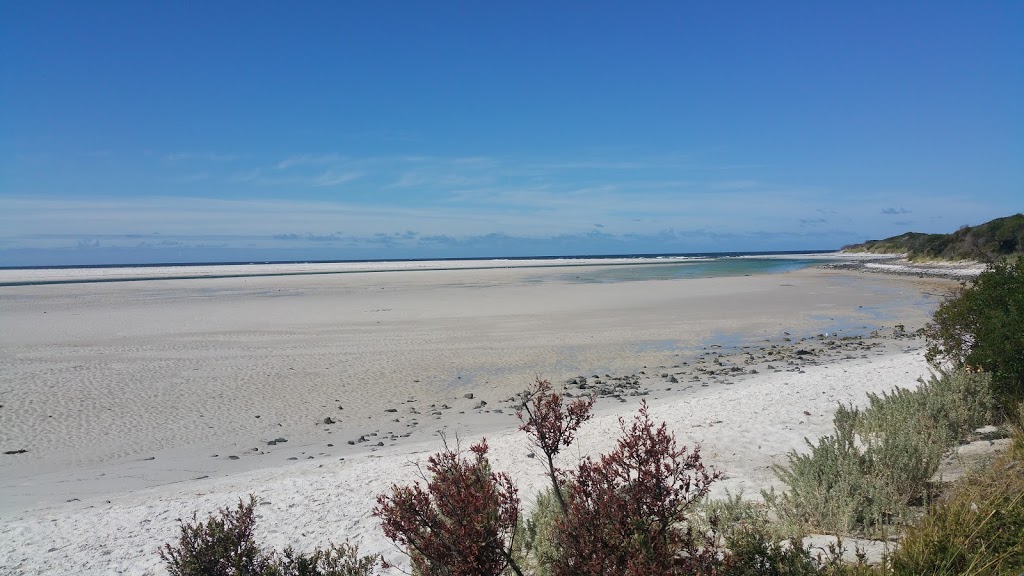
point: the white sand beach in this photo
(138, 403)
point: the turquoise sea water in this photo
(704, 268)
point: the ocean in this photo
(579, 268)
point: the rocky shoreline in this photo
(697, 370)
(900, 266)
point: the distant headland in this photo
(992, 240)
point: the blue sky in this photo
(164, 132)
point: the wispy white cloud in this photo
(334, 198)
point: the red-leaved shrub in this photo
(626, 512)
(552, 426)
(461, 523)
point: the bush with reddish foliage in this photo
(626, 513)
(462, 522)
(551, 426)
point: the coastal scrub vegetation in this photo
(625, 512)
(225, 545)
(981, 327)
(976, 528)
(986, 242)
(463, 520)
(880, 459)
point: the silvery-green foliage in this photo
(879, 459)
(539, 530)
(948, 405)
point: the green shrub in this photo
(880, 459)
(906, 432)
(949, 405)
(755, 551)
(982, 327)
(754, 546)
(539, 541)
(225, 545)
(830, 488)
(1016, 451)
(733, 512)
(335, 560)
(977, 528)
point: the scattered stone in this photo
(468, 396)
(232, 457)
(272, 443)
(279, 440)
(22, 451)
(329, 420)
(392, 410)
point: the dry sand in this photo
(137, 402)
